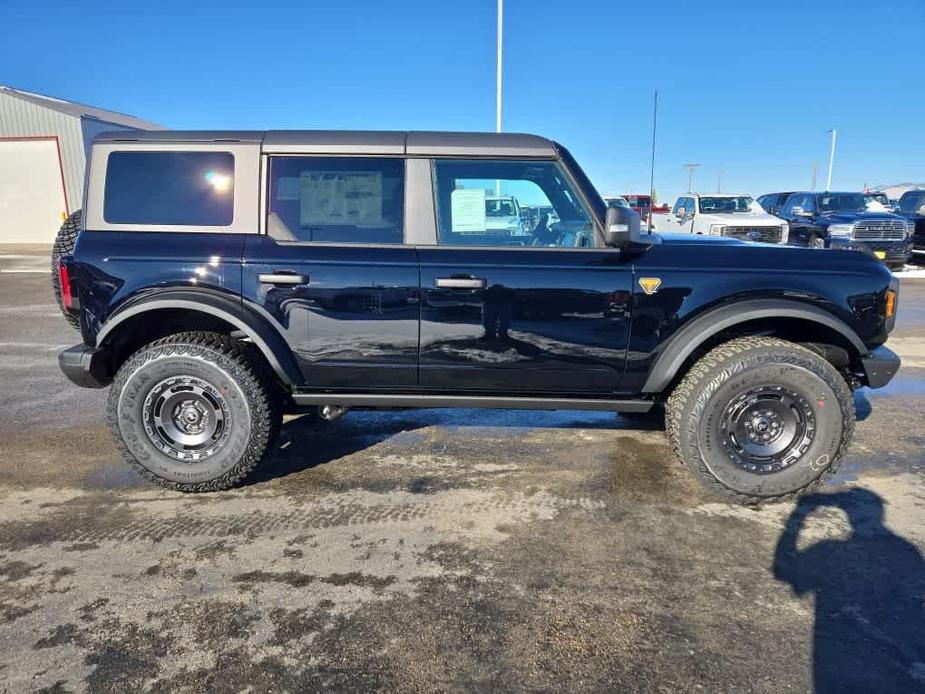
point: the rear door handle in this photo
(460, 282)
(282, 277)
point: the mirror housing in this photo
(682, 213)
(621, 227)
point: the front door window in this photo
(509, 203)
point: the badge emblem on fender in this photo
(650, 285)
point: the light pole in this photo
(498, 67)
(498, 81)
(828, 181)
(815, 169)
(690, 176)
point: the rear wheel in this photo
(760, 419)
(194, 412)
(64, 245)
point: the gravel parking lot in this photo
(450, 550)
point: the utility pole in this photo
(815, 169)
(652, 165)
(690, 176)
(828, 182)
(719, 181)
(498, 79)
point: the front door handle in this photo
(460, 282)
(282, 277)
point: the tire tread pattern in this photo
(711, 371)
(64, 245)
(250, 373)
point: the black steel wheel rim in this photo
(186, 418)
(767, 429)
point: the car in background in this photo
(616, 201)
(911, 207)
(721, 214)
(502, 214)
(772, 202)
(843, 220)
(643, 205)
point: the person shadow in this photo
(869, 631)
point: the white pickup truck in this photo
(722, 214)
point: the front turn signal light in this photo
(890, 303)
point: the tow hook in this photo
(331, 412)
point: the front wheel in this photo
(193, 412)
(760, 419)
(816, 242)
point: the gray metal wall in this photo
(20, 118)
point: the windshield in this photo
(913, 202)
(616, 202)
(878, 197)
(842, 202)
(726, 204)
(500, 208)
(637, 200)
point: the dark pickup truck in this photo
(842, 220)
(911, 207)
(222, 279)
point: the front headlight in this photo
(910, 229)
(842, 231)
(717, 229)
(784, 233)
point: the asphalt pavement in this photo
(448, 550)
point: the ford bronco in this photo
(222, 279)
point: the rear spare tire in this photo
(194, 412)
(760, 419)
(64, 245)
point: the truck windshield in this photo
(726, 204)
(913, 202)
(500, 208)
(842, 202)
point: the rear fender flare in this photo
(686, 340)
(267, 339)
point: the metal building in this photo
(44, 144)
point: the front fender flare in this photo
(683, 343)
(267, 339)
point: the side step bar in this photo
(503, 403)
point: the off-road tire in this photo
(695, 406)
(245, 384)
(64, 244)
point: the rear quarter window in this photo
(169, 188)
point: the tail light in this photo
(67, 298)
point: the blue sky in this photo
(747, 87)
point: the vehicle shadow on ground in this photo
(868, 588)
(307, 442)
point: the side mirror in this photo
(682, 212)
(621, 227)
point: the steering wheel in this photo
(543, 235)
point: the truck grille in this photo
(879, 230)
(759, 234)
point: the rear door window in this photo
(193, 189)
(336, 200)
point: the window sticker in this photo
(287, 188)
(467, 210)
(340, 197)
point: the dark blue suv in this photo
(843, 220)
(222, 279)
